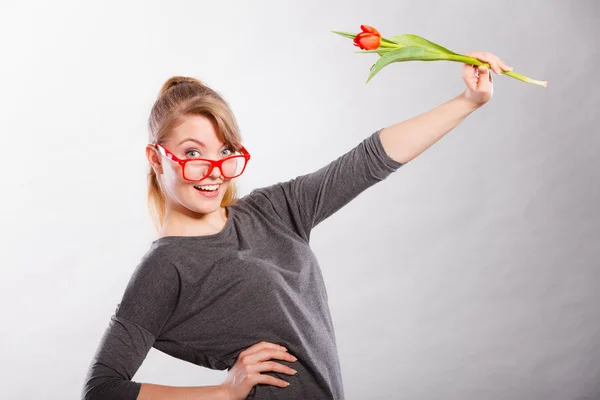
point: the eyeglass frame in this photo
(213, 163)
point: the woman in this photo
(232, 283)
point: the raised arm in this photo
(407, 139)
(305, 201)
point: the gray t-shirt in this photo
(205, 299)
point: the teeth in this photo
(208, 187)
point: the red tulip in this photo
(368, 39)
(409, 47)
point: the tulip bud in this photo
(368, 39)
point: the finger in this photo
(272, 366)
(470, 76)
(469, 54)
(478, 55)
(259, 346)
(267, 354)
(269, 380)
(498, 61)
(483, 71)
(503, 65)
(264, 345)
(493, 60)
(484, 57)
(485, 79)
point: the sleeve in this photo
(305, 201)
(148, 302)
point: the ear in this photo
(154, 159)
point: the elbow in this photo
(109, 389)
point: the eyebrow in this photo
(197, 141)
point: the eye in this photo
(199, 154)
(193, 151)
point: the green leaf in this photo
(414, 40)
(388, 43)
(381, 51)
(407, 53)
(346, 34)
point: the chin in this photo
(202, 204)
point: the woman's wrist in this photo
(223, 392)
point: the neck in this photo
(193, 224)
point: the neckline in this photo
(215, 236)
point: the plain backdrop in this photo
(470, 273)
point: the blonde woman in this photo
(232, 283)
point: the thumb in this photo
(470, 76)
(484, 77)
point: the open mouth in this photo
(208, 190)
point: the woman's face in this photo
(195, 137)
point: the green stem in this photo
(474, 61)
(463, 59)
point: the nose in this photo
(215, 173)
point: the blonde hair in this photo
(178, 97)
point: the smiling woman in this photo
(198, 169)
(188, 110)
(230, 283)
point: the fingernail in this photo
(287, 384)
(283, 348)
(294, 371)
(294, 358)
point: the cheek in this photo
(224, 187)
(173, 180)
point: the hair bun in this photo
(177, 80)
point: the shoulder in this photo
(152, 293)
(157, 261)
(269, 198)
(154, 274)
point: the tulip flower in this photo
(368, 39)
(409, 47)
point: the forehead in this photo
(197, 127)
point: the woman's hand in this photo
(479, 78)
(246, 372)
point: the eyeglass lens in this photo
(198, 170)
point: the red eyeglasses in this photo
(196, 169)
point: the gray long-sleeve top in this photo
(205, 299)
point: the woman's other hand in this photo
(246, 372)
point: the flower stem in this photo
(474, 61)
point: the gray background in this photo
(471, 273)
